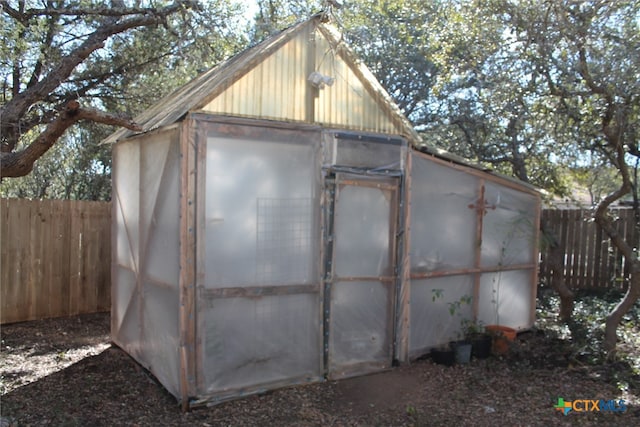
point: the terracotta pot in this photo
(502, 337)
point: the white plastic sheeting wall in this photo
(146, 257)
(508, 229)
(508, 240)
(261, 230)
(125, 252)
(450, 263)
(443, 227)
(261, 213)
(249, 342)
(506, 299)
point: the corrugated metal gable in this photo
(269, 81)
(277, 88)
(207, 86)
(349, 103)
(376, 104)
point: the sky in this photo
(251, 7)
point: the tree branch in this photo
(37, 69)
(26, 14)
(15, 14)
(15, 164)
(12, 111)
(100, 11)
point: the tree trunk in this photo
(556, 261)
(633, 292)
(566, 296)
(615, 316)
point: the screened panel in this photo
(362, 221)
(437, 310)
(366, 151)
(250, 342)
(509, 230)
(443, 226)
(261, 212)
(506, 299)
(359, 324)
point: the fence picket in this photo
(590, 259)
(56, 257)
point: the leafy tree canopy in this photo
(76, 63)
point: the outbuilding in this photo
(278, 221)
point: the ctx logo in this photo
(590, 405)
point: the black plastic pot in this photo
(443, 356)
(481, 346)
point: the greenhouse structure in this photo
(278, 221)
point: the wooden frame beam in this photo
(188, 173)
(257, 291)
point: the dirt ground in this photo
(66, 372)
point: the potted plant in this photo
(462, 347)
(459, 350)
(480, 340)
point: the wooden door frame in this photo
(334, 182)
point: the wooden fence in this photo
(590, 260)
(55, 258)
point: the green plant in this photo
(411, 411)
(471, 327)
(455, 308)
